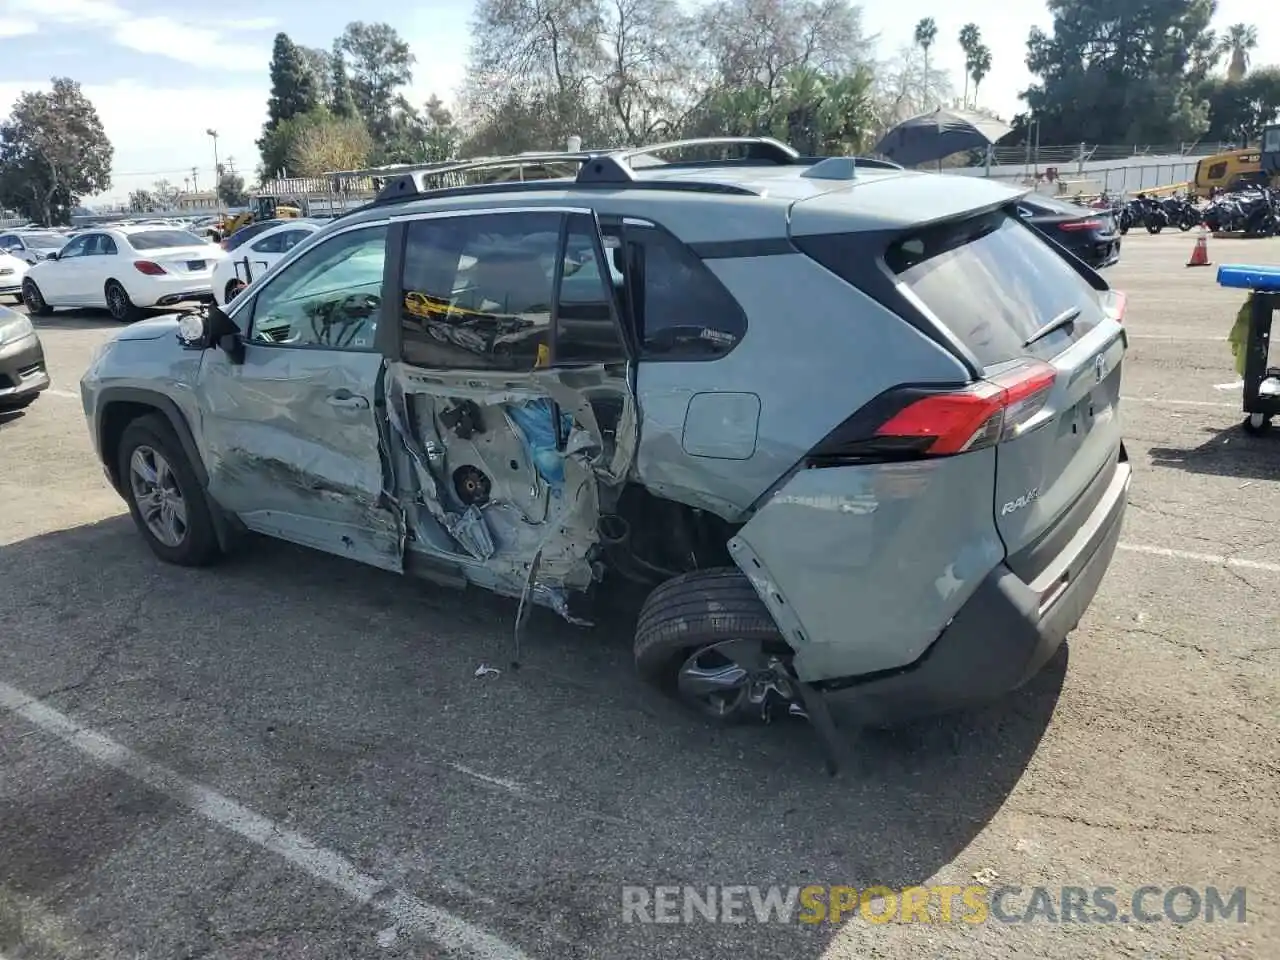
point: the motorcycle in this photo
(1154, 216)
(1183, 214)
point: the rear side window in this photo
(994, 282)
(249, 232)
(679, 309)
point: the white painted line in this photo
(511, 786)
(62, 393)
(1217, 560)
(438, 925)
(1235, 385)
(1179, 403)
(1174, 338)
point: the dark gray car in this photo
(856, 429)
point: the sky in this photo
(161, 74)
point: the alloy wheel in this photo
(158, 496)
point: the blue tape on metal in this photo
(1244, 277)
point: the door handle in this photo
(346, 400)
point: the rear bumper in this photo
(22, 370)
(1001, 637)
(168, 290)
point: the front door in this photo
(67, 285)
(292, 434)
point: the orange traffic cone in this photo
(1200, 255)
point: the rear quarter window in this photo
(993, 282)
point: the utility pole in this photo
(217, 170)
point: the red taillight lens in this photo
(1081, 225)
(149, 267)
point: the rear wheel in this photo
(34, 299)
(119, 305)
(707, 638)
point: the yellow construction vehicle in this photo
(262, 208)
(1230, 171)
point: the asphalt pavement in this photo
(290, 755)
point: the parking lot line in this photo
(1180, 403)
(1175, 338)
(409, 914)
(1216, 559)
(62, 393)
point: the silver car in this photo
(855, 429)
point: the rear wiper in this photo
(1064, 319)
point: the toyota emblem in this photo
(1099, 368)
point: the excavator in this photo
(263, 208)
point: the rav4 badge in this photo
(1031, 496)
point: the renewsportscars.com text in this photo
(973, 904)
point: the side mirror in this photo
(52, 256)
(202, 331)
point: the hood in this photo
(150, 329)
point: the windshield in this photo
(50, 240)
(157, 239)
(993, 281)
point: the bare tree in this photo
(337, 144)
(906, 88)
(651, 60)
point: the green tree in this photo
(293, 86)
(970, 41)
(381, 64)
(926, 34)
(977, 66)
(231, 191)
(1238, 110)
(342, 104)
(319, 64)
(53, 152)
(1239, 43)
(1121, 73)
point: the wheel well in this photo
(649, 539)
(115, 418)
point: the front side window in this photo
(76, 248)
(477, 291)
(329, 297)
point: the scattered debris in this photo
(986, 875)
(485, 670)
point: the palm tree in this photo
(978, 66)
(1241, 40)
(926, 33)
(970, 40)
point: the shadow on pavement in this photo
(346, 701)
(11, 414)
(1227, 453)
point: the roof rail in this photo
(615, 166)
(412, 183)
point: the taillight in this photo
(1114, 303)
(149, 267)
(938, 423)
(1081, 225)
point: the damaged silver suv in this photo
(855, 427)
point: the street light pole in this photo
(217, 174)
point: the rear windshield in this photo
(993, 281)
(43, 239)
(157, 239)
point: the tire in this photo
(1154, 228)
(1256, 424)
(694, 612)
(34, 299)
(197, 546)
(119, 305)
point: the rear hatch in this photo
(1054, 342)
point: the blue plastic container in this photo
(1242, 277)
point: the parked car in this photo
(901, 489)
(32, 245)
(254, 256)
(125, 270)
(12, 271)
(23, 374)
(1090, 234)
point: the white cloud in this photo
(160, 133)
(17, 28)
(199, 43)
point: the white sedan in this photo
(249, 261)
(12, 271)
(124, 269)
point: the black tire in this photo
(199, 545)
(119, 305)
(696, 610)
(1154, 228)
(34, 299)
(1256, 429)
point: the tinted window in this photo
(586, 331)
(1217, 171)
(1271, 141)
(76, 248)
(329, 297)
(10, 243)
(270, 244)
(679, 309)
(245, 234)
(993, 282)
(159, 239)
(477, 290)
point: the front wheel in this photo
(1153, 227)
(165, 497)
(34, 299)
(708, 638)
